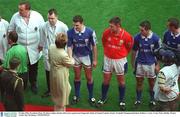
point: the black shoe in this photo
(122, 106)
(75, 100)
(34, 89)
(100, 103)
(152, 105)
(92, 101)
(46, 94)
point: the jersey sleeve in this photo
(70, 39)
(93, 39)
(129, 42)
(136, 44)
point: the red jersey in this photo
(116, 46)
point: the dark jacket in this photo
(12, 88)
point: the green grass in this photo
(96, 14)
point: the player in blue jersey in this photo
(171, 38)
(82, 47)
(144, 61)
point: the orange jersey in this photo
(116, 46)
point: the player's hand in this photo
(94, 64)
(167, 90)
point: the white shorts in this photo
(145, 71)
(85, 61)
(117, 65)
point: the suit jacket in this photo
(12, 91)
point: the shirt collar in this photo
(177, 35)
(83, 30)
(148, 37)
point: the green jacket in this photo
(20, 52)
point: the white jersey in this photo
(170, 74)
(28, 34)
(48, 37)
(3, 37)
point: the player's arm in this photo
(134, 51)
(129, 43)
(133, 57)
(161, 82)
(94, 49)
(69, 45)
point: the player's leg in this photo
(90, 83)
(151, 79)
(151, 86)
(104, 88)
(120, 67)
(77, 83)
(139, 88)
(77, 79)
(107, 74)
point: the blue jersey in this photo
(145, 47)
(81, 42)
(171, 40)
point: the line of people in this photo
(35, 38)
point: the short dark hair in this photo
(145, 24)
(27, 4)
(61, 40)
(78, 18)
(115, 20)
(14, 62)
(173, 22)
(13, 36)
(51, 11)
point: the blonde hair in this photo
(61, 40)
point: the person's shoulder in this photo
(137, 36)
(36, 14)
(106, 31)
(61, 23)
(4, 21)
(70, 31)
(15, 15)
(155, 37)
(167, 32)
(52, 46)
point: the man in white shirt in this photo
(166, 87)
(50, 29)
(3, 38)
(28, 23)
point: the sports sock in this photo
(77, 85)
(121, 93)
(90, 89)
(104, 91)
(138, 95)
(151, 93)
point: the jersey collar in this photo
(83, 30)
(148, 37)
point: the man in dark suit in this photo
(12, 87)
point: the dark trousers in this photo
(24, 76)
(47, 80)
(33, 70)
